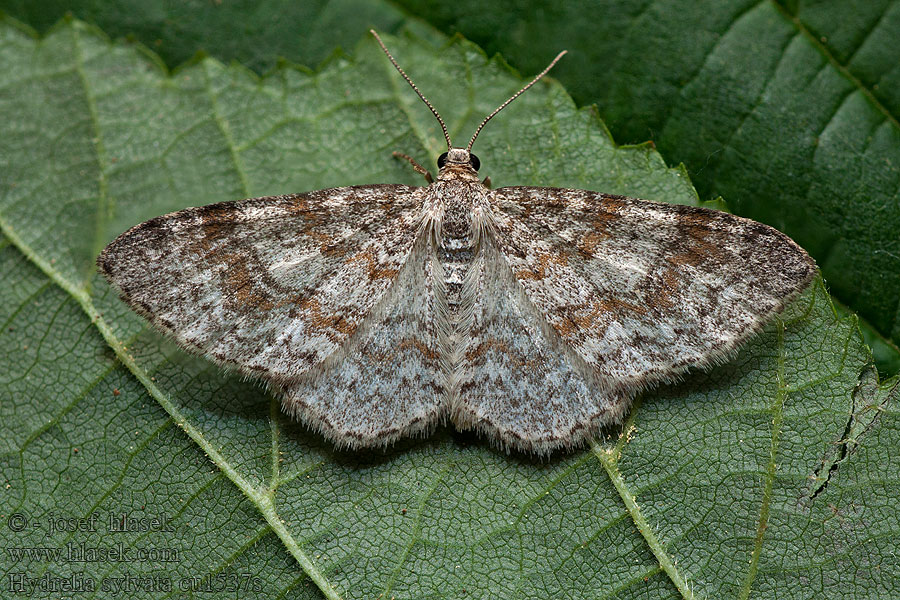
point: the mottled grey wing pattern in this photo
(640, 290)
(572, 303)
(520, 384)
(387, 382)
(271, 286)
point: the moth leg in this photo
(487, 182)
(419, 168)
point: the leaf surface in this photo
(789, 110)
(254, 33)
(773, 472)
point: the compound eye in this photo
(473, 160)
(441, 160)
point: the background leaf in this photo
(253, 33)
(774, 472)
(787, 109)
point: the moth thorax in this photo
(455, 226)
(457, 221)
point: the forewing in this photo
(520, 384)
(387, 382)
(271, 286)
(641, 290)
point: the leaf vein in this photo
(104, 207)
(777, 422)
(840, 67)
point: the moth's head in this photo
(460, 160)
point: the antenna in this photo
(513, 97)
(424, 99)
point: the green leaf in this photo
(255, 33)
(774, 473)
(788, 110)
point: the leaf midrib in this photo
(103, 205)
(844, 70)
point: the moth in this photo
(531, 315)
